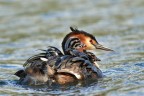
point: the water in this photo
(29, 25)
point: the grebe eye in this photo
(91, 41)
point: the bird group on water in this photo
(74, 64)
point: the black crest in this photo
(74, 29)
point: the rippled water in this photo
(29, 25)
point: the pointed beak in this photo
(99, 46)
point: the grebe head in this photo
(85, 40)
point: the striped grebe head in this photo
(81, 40)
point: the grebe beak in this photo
(99, 46)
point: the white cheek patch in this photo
(96, 64)
(44, 59)
(89, 45)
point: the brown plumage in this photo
(75, 64)
(59, 69)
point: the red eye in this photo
(90, 41)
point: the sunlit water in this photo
(29, 25)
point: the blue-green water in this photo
(29, 25)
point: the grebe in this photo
(75, 64)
